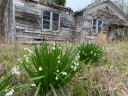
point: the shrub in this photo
(91, 51)
(60, 2)
(51, 68)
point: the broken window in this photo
(51, 21)
(97, 25)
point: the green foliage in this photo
(4, 82)
(91, 51)
(51, 68)
(60, 2)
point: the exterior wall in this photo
(106, 14)
(9, 27)
(29, 29)
(79, 22)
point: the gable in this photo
(103, 6)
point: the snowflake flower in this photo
(64, 73)
(15, 70)
(94, 54)
(56, 78)
(25, 48)
(77, 64)
(53, 48)
(24, 55)
(72, 66)
(75, 68)
(67, 42)
(33, 85)
(91, 52)
(57, 71)
(19, 59)
(40, 68)
(10, 93)
(58, 61)
(27, 58)
(54, 44)
(58, 57)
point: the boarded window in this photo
(51, 21)
(97, 25)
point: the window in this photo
(51, 21)
(97, 25)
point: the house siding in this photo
(29, 23)
(9, 27)
(103, 12)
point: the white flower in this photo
(59, 47)
(24, 55)
(40, 68)
(33, 85)
(54, 44)
(75, 68)
(72, 66)
(19, 59)
(15, 70)
(10, 93)
(58, 57)
(67, 42)
(26, 60)
(58, 61)
(79, 51)
(91, 52)
(64, 73)
(53, 48)
(56, 78)
(77, 64)
(25, 48)
(94, 54)
(57, 71)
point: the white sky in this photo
(77, 5)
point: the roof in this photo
(117, 9)
(56, 6)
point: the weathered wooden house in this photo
(31, 22)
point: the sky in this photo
(77, 5)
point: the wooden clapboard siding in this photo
(28, 17)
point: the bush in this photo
(91, 51)
(50, 68)
(60, 2)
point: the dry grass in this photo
(109, 77)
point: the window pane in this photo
(99, 23)
(94, 21)
(94, 29)
(55, 26)
(46, 15)
(55, 23)
(46, 24)
(99, 29)
(46, 20)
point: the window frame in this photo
(97, 26)
(51, 21)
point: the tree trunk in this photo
(3, 4)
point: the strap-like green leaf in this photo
(36, 78)
(55, 94)
(37, 90)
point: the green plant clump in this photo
(51, 68)
(60, 2)
(92, 52)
